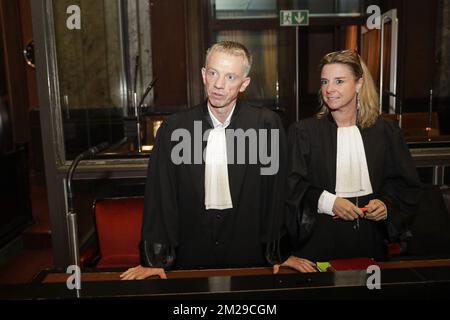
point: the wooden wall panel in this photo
(169, 52)
(15, 70)
(27, 36)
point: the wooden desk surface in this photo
(179, 274)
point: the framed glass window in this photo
(103, 68)
(264, 74)
(320, 7)
(244, 9)
(284, 75)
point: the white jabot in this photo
(217, 186)
(352, 173)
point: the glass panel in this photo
(349, 6)
(263, 89)
(229, 9)
(384, 41)
(90, 75)
(327, 6)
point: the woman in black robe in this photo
(352, 184)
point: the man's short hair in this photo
(232, 48)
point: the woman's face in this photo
(339, 86)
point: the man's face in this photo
(224, 77)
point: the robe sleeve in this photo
(401, 189)
(160, 216)
(273, 195)
(302, 196)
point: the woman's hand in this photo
(346, 210)
(296, 263)
(140, 273)
(376, 210)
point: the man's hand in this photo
(140, 273)
(346, 210)
(376, 210)
(296, 263)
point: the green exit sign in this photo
(294, 18)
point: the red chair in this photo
(118, 226)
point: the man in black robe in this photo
(230, 213)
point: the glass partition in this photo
(284, 75)
(100, 67)
(264, 74)
(91, 75)
(328, 7)
(379, 51)
(229, 9)
(251, 9)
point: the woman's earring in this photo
(357, 101)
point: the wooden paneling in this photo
(27, 36)
(169, 51)
(416, 51)
(420, 48)
(16, 76)
(196, 49)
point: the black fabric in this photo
(156, 255)
(312, 169)
(174, 211)
(430, 230)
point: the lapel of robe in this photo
(198, 170)
(331, 135)
(369, 138)
(236, 172)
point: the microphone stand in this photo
(430, 112)
(136, 111)
(400, 112)
(71, 215)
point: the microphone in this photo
(137, 111)
(398, 106)
(147, 91)
(71, 215)
(390, 93)
(136, 69)
(430, 112)
(136, 74)
(88, 153)
(98, 148)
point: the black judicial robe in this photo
(312, 169)
(177, 229)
